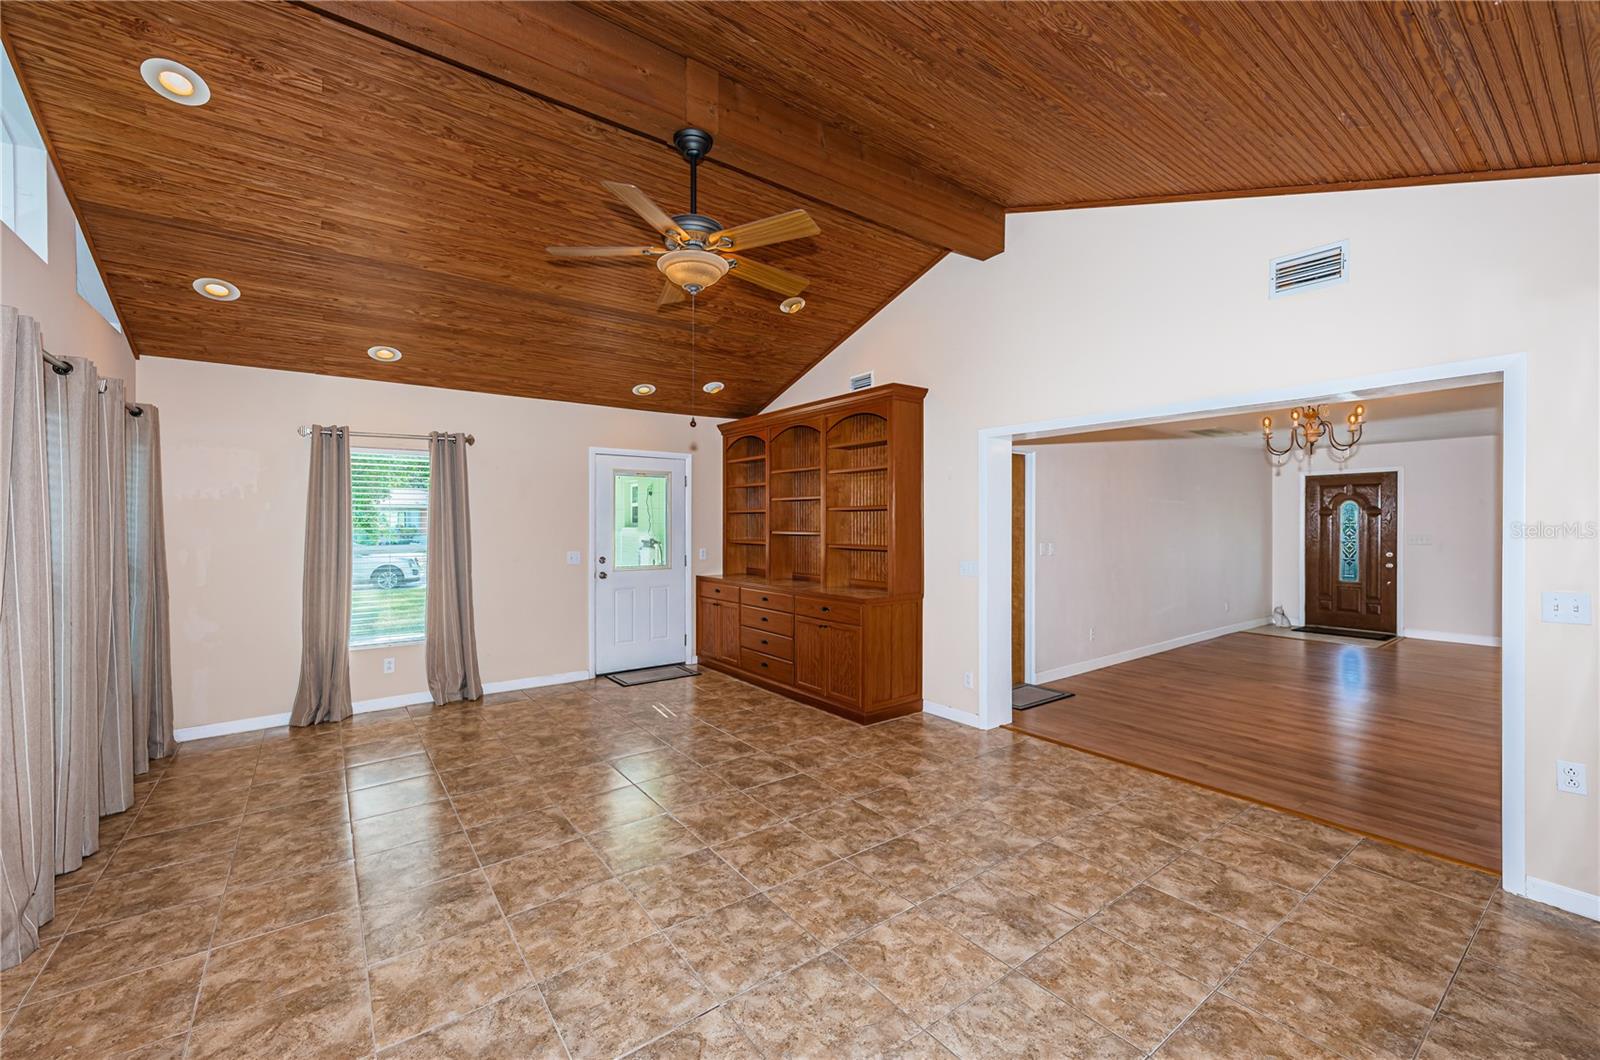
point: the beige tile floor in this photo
(698, 868)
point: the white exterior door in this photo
(640, 560)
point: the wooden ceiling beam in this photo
(579, 60)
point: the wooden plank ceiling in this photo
(390, 173)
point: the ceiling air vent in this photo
(861, 382)
(1311, 268)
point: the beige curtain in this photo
(72, 439)
(452, 645)
(116, 697)
(27, 710)
(324, 692)
(149, 641)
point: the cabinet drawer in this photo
(719, 590)
(779, 670)
(767, 643)
(770, 601)
(773, 621)
(828, 610)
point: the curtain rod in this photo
(60, 367)
(305, 432)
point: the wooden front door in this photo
(1352, 551)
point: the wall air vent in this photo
(861, 382)
(1320, 267)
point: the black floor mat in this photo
(1026, 697)
(651, 674)
(1333, 631)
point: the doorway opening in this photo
(639, 594)
(1303, 686)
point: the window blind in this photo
(389, 545)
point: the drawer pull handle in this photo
(763, 666)
(825, 610)
(763, 618)
(763, 640)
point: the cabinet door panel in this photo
(810, 656)
(842, 652)
(728, 631)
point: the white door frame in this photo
(995, 446)
(689, 649)
(1399, 530)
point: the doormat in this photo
(1333, 631)
(1026, 697)
(651, 674)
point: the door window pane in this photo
(641, 520)
(1349, 542)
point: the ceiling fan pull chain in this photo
(693, 305)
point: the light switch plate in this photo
(702, 553)
(1569, 608)
(388, 664)
(574, 558)
(1419, 539)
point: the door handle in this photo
(602, 575)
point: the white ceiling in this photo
(1458, 412)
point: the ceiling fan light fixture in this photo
(714, 387)
(693, 270)
(644, 390)
(386, 354)
(215, 289)
(174, 81)
(793, 305)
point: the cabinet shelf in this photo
(858, 445)
(859, 548)
(794, 470)
(856, 470)
(797, 533)
(747, 511)
(785, 500)
(747, 541)
(745, 459)
(858, 508)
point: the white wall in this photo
(1101, 312)
(48, 292)
(1153, 541)
(234, 481)
(1450, 494)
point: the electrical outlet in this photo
(966, 678)
(1091, 634)
(1226, 607)
(702, 553)
(1573, 777)
(388, 664)
(574, 558)
(969, 568)
(1419, 539)
(1570, 608)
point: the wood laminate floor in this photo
(1399, 740)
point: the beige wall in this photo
(1102, 312)
(1450, 494)
(235, 484)
(49, 294)
(1153, 541)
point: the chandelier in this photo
(1309, 425)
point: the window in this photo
(24, 169)
(1349, 542)
(91, 288)
(389, 546)
(641, 520)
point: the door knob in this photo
(602, 575)
(1388, 566)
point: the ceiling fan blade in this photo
(769, 276)
(645, 207)
(671, 294)
(796, 224)
(603, 252)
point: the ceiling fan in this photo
(696, 251)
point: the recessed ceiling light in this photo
(644, 390)
(175, 81)
(714, 388)
(386, 354)
(215, 289)
(792, 305)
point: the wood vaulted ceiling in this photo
(386, 172)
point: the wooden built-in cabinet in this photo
(821, 592)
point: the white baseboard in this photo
(367, 706)
(939, 710)
(1453, 638)
(1074, 669)
(1569, 898)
